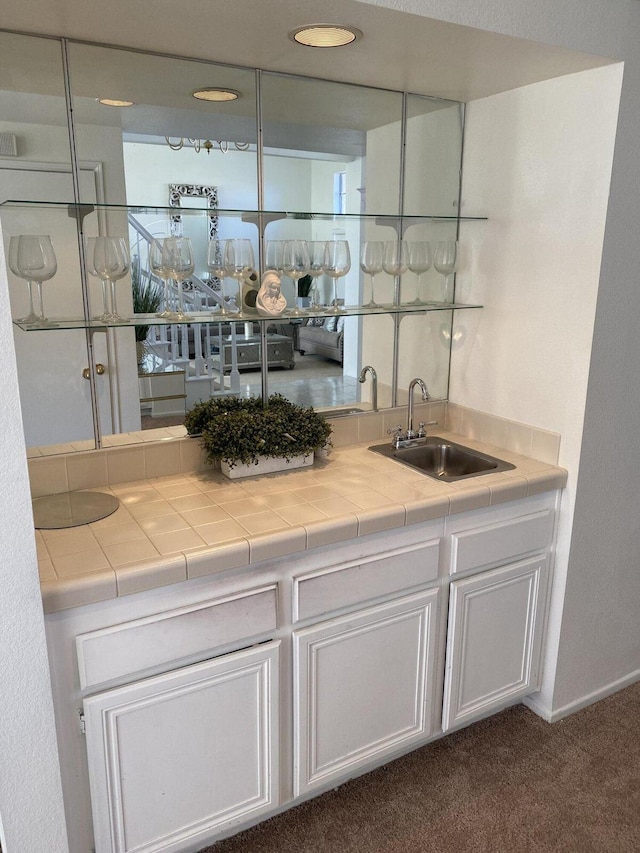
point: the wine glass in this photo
(337, 262)
(108, 259)
(177, 260)
(14, 244)
(316, 250)
(155, 265)
(295, 263)
(31, 257)
(445, 262)
(371, 258)
(238, 262)
(274, 255)
(420, 259)
(396, 258)
(215, 265)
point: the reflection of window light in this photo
(340, 192)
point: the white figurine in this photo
(270, 302)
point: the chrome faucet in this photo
(374, 383)
(425, 397)
(410, 437)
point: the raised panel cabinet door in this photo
(175, 757)
(363, 686)
(495, 639)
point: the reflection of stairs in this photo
(184, 346)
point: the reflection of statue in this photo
(270, 300)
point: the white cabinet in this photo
(500, 561)
(175, 756)
(363, 687)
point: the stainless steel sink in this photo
(444, 460)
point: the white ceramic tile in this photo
(151, 574)
(126, 464)
(204, 515)
(334, 507)
(135, 551)
(303, 513)
(519, 438)
(163, 524)
(377, 519)
(78, 590)
(545, 446)
(269, 546)
(221, 531)
(72, 542)
(178, 540)
(227, 555)
(331, 531)
(48, 475)
(189, 502)
(79, 563)
(112, 534)
(87, 470)
(162, 459)
(243, 507)
(262, 522)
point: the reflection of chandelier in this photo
(207, 144)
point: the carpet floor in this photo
(509, 783)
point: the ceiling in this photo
(398, 51)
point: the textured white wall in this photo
(30, 793)
(599, 648)
(537, 163)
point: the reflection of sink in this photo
(444, 460)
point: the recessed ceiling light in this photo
(325, 35)
(112, 102)
(214, 94)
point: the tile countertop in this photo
(170, 529)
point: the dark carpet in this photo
(510, 783)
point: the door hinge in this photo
(83, 726)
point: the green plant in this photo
(147, 297)
(241, 430)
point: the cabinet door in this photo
(495, 639)
(363, 687)
(173, 758)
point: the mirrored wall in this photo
(278, 158)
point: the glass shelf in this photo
(197, 318)
(74, 209)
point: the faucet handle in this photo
(395, 431)
(397, 436)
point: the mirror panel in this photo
(329, 148)
(55, 399)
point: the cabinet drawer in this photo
(153, 641)
(501, 542)
(321, 592)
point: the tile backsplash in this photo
(167, 453)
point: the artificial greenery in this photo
(242, 430)
(147, 297)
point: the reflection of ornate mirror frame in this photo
(179, 191)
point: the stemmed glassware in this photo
(108, 260)
(238, 262)
(155, 265)
(177, 260)
(337, 262)
(371, 258)
(445, 262)
(316, 250)
(295, 263)
(215, 265)
(274, 255)
(396, 257)
(32, 258)
(420, 260)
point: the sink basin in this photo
(444, 460)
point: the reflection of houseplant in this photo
(242, 432)
(147, 298)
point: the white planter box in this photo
(268, 465)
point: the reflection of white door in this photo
(55, 398)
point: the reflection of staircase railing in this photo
(185, 345)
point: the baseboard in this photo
(572, 707)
